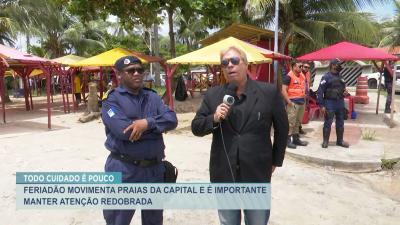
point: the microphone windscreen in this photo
(231, 89)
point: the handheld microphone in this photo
(229, 98)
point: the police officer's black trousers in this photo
(134, 174)
(330, 114)
(389, 87)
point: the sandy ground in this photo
(301, 194)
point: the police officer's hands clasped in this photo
(221, 112)
(137, 127)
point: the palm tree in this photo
(392, 30)
(191, 29)
(59, 32)
(6, 31)
(26, 17)
(84, 40)
(7, 24)
(312, 24)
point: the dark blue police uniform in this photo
(330, 95)
(139, 161)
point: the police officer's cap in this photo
(126, 61)
(335, 62)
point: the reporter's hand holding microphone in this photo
(223, 109)
(221, 112)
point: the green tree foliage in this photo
(220, 13)
(190, 29)
(37, 50)
(6, 30)
(131, 13)
(8, 24)
(312, 24)
(133, 42)
(391, 30)
(86, 39)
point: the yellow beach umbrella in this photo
(210, 55)
(64, 60)
(108, 58)
(68, 59)
(36, 72)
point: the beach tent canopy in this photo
(240, 31)
(391, 50)
(23, 64)
(210, 55)
(68, 59)
(108, 58)
(15, 57)
(347, 51)
(63, 60)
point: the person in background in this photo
(307, 75)
(77, 89)
(388, 85)
(330, 97)
(294, 93)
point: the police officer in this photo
(330, 97)
(135, 118)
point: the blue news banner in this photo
(77, 190)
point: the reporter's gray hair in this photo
(241, 53)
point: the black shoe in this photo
(343, 144)
(297, 141)
(290, 144)
(339, 141)
(326, 132)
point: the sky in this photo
(381, 11)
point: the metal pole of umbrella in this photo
(276, 40)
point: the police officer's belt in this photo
(140, 163)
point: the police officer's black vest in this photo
(335, 88)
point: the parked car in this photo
(397, 83)
(397, 86)
(373, 79)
